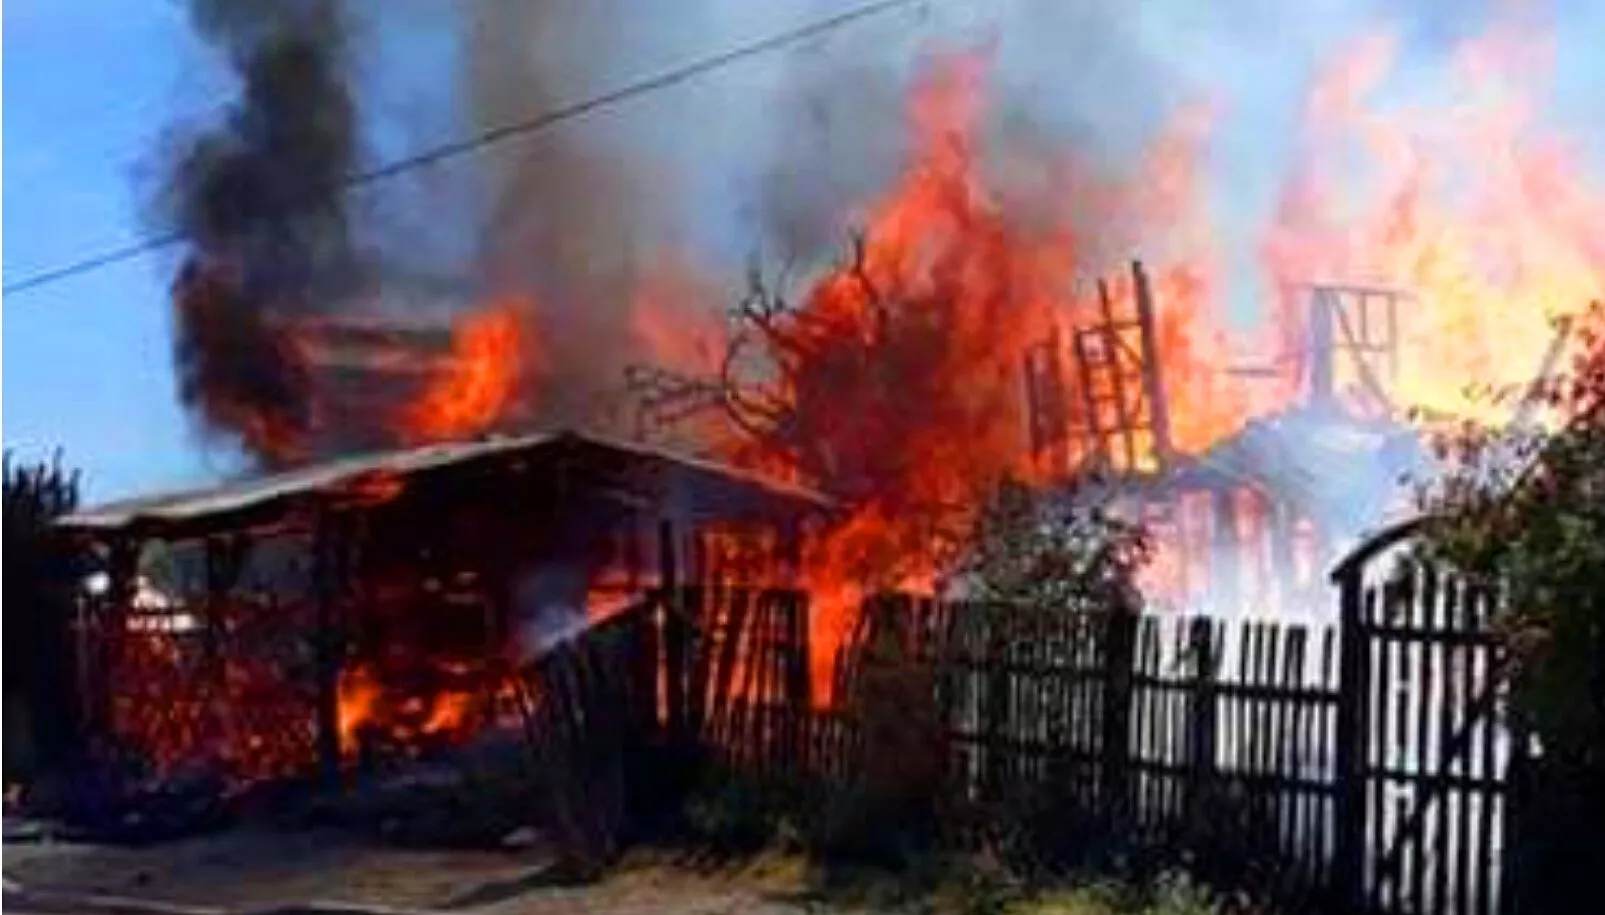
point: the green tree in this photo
(1056, 553)
(1525, 509)
(39, 572)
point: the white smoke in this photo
(549, 607)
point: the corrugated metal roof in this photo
(250, 493)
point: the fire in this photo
(897, 374)
(1472, 205)
(409, 718)
(450, 713)
(359, 694)
(469, 395)
(671, 323)
(237, 369)
(902, 367)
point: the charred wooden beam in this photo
(1322, 332)
(675, 633)
(1158, 406)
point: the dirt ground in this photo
(256, 871)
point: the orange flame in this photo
(358, 697)
(1472, 205)
(903, 367)
(490, 351)
(368, 703)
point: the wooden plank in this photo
(1403, 607)
(1375, 743)
(1431, 709)
(1325, 733)
(997, 711)
(1295, 762)
(330, 579)
(1460, 673)
(1289, 667)
(1244, 686)
(1038, 688)
(1487, 891)
(1086, 654)
(1382, 749)
(1159, 745)
(674, 633)
(1203, 712)
(1263, 803)
(1118, 652)
(1147, 727)
(1351, 734)
(1438, 671)
(738, 619)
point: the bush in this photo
(40, 571)
(1524, 509)
(890, 809)
(733, 812)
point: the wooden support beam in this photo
(1202, 727)
(1117, 377)
(328, 575)
(1153, 380)
(1322, 343)
(675, 636)
(1118, 652)
(102, 634)
(1353, 735)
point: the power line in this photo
(494, 135)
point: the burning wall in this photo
(377, 607)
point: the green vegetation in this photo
(39, 573)
(1053, 555)
(1524, 511)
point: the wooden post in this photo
(799, 683)
(999, 750)
(1112, 351)
(102, 639)
(328, 644)
(1119, 650)
(1203, 713)
(1322, 347)
(1349, 776)
(1158, 407)
(674, 634)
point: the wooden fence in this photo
(1164, 732)
(1432, 764)
(1364, 765)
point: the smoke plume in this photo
(268, 240)
(771, 156)
(565, 211)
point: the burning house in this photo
(364, 592)
(1250, 522)
(375, 604)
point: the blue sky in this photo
(92, 85)
(89, 86)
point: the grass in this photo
(950, 885)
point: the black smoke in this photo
(257, 197)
